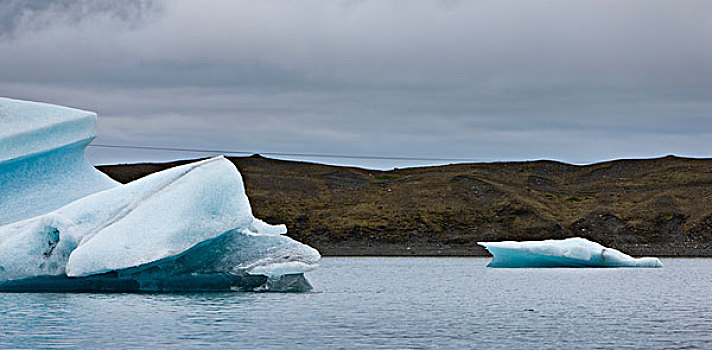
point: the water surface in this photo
(413, 303)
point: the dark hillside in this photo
(643, 207)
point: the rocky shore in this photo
(660, 207)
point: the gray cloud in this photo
(31, 15)
(577, 81)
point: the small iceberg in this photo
(66, 227)
(570, 252)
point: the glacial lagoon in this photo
(387, 303)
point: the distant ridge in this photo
(660, 206)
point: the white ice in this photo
(570, 252)
(197, 213)
(28, 128)
(42, 164)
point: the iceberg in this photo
(42, 163)
(570, 252)
(188, 228)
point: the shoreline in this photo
(666, 251)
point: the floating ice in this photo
(570, 252)
(42, 164)
(189, 228)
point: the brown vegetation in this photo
(642, 207)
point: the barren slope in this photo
(655, 206)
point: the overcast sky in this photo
(576, 81)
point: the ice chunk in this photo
(28, 128)
(252, 257)
(153, 218)
(160, 215)
(570, 252)
(42, 164)
(233, 261)
(187, 228)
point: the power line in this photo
(283, 154)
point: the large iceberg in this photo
(570, 252)
(189, 228)
(42, 164)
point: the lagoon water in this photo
(391, 303)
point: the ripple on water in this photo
(387, 303)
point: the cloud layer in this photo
(577, 81)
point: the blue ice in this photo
(570, 252)
(67, 227)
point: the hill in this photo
(659, 207)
